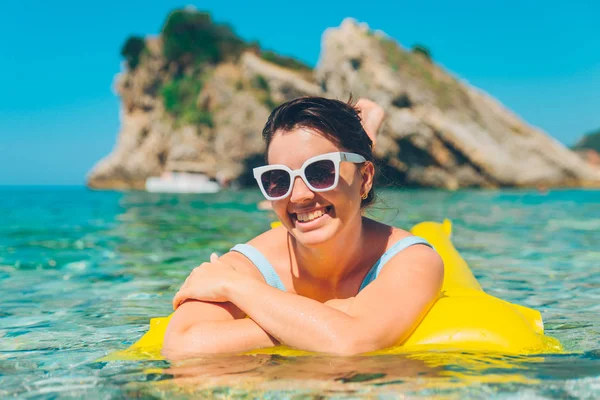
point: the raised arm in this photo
(372, 116)
(411, 281)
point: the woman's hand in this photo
(372, 115)
(207, 282)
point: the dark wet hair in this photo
(337, 121)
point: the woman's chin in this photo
(315, 237)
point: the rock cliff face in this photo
(439, 131)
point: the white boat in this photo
(181, 182)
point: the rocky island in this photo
(197, 97)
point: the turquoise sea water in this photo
(82, 272)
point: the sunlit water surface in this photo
(82, 272)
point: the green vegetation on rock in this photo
(180, 98)
(263, 91)
(286, 62)
(192, 44)
(422, 51)
(591, 141)
(447, 91)
(190, 36)
(132, 50)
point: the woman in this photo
(329, 279)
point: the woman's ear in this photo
(367, 174)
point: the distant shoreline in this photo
(6, 188)
(43, 186)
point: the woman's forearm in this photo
(294, 320)
(213, 337)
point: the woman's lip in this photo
(326, 212)
(309, 210)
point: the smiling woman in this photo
(310, 283)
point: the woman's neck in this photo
(332, 262)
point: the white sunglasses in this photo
(320, 173)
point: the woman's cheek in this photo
(281, 212)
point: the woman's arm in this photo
(199, 327)
(411, 280)
(372, 116)
(202, 327)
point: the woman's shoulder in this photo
(273, 248)
(272, 245)
(266, 244)
(383, 232)
(424, 256)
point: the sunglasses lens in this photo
(276, 182)
(321, 174)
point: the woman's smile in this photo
(312, 218)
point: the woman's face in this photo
(315, 217)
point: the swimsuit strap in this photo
(261, 262)
(272, 279)
(391, 252)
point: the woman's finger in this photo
(176, 301)
(214, 257)
(181, 296)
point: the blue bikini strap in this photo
(391, 252)
(263, 265)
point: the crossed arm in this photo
(213, 322)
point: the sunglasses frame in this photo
(335, 157)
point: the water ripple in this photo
(82, 272)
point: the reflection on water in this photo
(313, 373)
(82, 272)
(432, 375)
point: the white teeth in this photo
(305, 217)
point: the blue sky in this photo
(59, 116)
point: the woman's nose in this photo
(300, 191)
